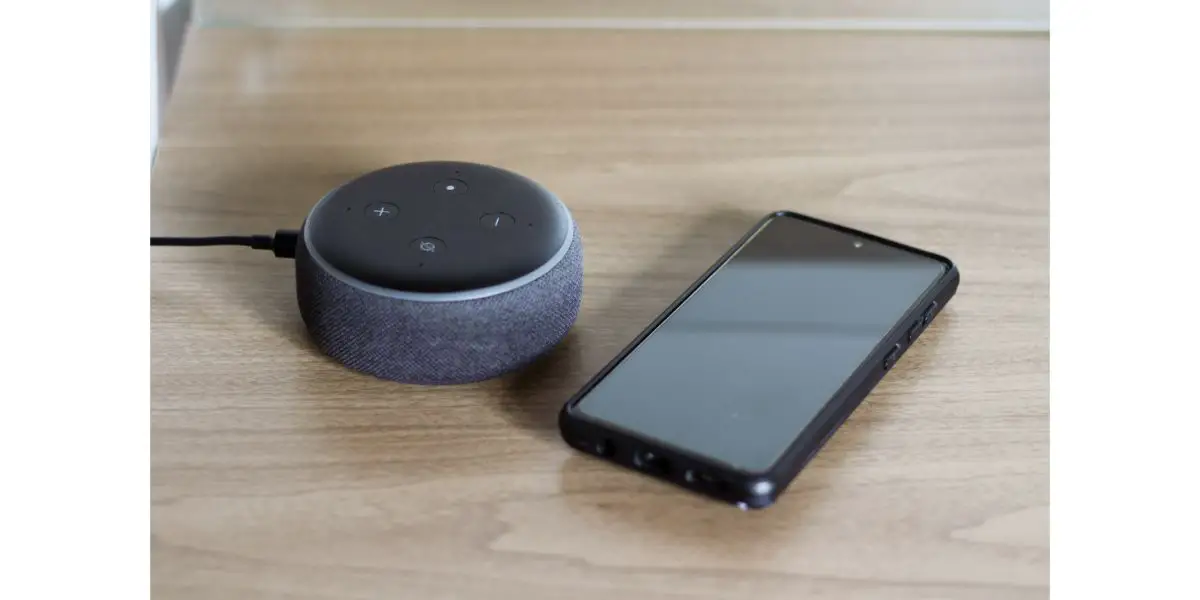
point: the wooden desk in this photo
(277, 474)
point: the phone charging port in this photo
(603, 448)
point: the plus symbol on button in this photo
(381, 211)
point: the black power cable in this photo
(282, 244)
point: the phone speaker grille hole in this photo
(650, 462)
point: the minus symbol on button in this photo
(497, 220)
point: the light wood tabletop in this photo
(278, 474)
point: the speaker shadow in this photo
(532, 398)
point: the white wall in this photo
(170, 22)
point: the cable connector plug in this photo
(283, 243)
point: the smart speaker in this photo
(438, 272)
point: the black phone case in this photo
(724, 482)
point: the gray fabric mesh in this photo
(439, 342)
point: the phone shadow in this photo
(626, 500)
(632, 502)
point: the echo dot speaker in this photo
(438, 272)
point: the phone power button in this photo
(889, 361)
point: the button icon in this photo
(381, 211)
(497, 221)
(428, 245)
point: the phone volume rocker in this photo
(889, 361)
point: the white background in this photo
(1125, 415)
(74, 393)
(74, 299)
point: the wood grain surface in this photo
(718, 11)
(278, 474)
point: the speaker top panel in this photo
(438, 227)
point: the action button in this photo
(428, 245)
(450, 187)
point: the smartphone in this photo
(737, 385)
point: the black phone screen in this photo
(747, 361)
